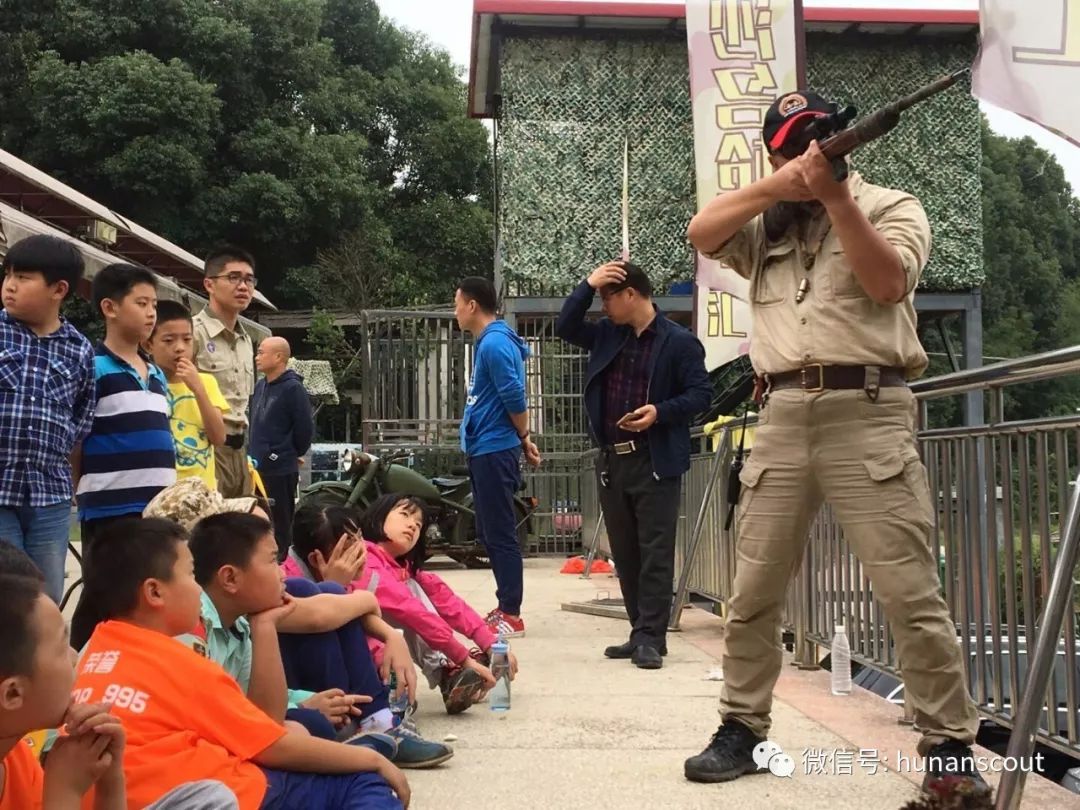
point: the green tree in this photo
(1031, 297)
(294, 127)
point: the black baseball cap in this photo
(787, 111)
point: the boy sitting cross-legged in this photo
(184, 716)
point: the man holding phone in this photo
(645, 381)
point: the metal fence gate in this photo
(415, 368)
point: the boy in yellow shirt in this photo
(196, 404)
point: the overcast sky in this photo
(449, 24)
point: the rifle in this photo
(836, 139)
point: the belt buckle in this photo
(820, 378)
(625, 448)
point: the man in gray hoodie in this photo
(281, 431)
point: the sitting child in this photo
(417, 601)
(36, 676)
(245, 607)
(184, 716)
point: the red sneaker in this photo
(502, 625)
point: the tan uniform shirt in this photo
(230, 357)
(837, 323)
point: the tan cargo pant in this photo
(860, 456)
(233, 473)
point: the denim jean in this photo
(42, 532)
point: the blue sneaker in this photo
(414, 751)
(384, 744)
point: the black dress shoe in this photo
(647, 657)
(729, 755)
(621, 650)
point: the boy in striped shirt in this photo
(128, 457)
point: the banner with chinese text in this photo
(743, 54)
(1029, 61)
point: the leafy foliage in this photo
(293, 127)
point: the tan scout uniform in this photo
(853, 448)
(230, 357)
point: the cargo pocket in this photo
(901, 485)
(749, 479)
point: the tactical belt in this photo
(817, 377)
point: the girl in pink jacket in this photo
(414, 600)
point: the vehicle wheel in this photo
(476, 562)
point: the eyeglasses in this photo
(236, 278)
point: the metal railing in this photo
(1005, 535)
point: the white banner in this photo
(1029, 62)
(743, 54)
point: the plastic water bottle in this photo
(399, 705)
(841, 662)
(499, 697)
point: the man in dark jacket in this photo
(645, 380)
(281, 431)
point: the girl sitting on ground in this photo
(416, 601)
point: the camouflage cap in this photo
(189, 500)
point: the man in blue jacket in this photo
(644, 382)
(494, 433)
(281, 431)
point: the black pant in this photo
(641, 513)
(282, 490)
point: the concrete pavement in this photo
(586, 733)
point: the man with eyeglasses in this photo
(833, 262)
(644, 382)
(224, 349)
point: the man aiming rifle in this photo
(833, 262)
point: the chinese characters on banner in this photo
(743, 54)
(1029, 61)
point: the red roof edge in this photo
(591, 8)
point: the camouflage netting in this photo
(568, 102)
(318, 379)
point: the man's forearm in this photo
(268, 689)
(521, 422)
(725, 214)
(875, 262)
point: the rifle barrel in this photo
(929, 90)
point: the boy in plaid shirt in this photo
(46, 401)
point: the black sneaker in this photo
(729, 755)
(950, 768)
